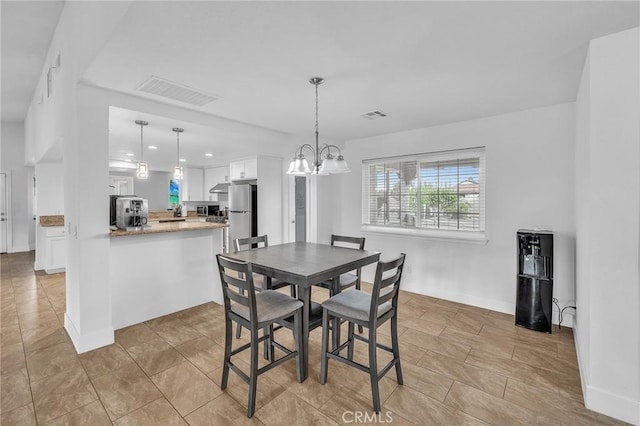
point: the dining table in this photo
(304, 265)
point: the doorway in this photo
(3, 213)
(301, 208)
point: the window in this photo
(434, 191)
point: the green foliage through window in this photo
(439, 191)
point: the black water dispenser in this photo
(535, 280)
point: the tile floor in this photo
(461, 365)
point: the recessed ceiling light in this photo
(208, 154)
(128, 154)
(152, 147)
(182, 160)
(128, 160)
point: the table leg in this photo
(304, 296)
(269, 352)
(335, 322)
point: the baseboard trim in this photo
(480, 302)
(55, 270)
(613, 405)
(601, 401)
(88, 341)
(18, 249)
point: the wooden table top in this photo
(305, 263)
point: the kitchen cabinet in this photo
(55, 259)
(121, 185)
(212, 177)
(193, 185)
(244, 169)
(268, 172)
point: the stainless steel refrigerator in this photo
(243, 212)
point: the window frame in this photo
(418, 230)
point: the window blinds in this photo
(443, 190)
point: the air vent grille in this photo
(374, 114)
(178, 92)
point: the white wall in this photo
(20, 232)
(529, 184)
(49, 189)
(608, 141)
(583, 216)
(155, 189)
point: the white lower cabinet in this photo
(55, 259)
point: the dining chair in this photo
(370, 311)
(255, 242)
(255, 311)
(349, 279)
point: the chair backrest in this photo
(250, 242)
(386, 285)
(349, 242)
(239, 289)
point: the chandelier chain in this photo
(316, 107)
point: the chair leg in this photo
(268, 346)
(396, 348)
(360, 330)
(351, 342)
(253, 373)
(228, 333)
(324, 361)
(297, 335)
(373, 370)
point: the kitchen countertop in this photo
(157, 228)
(168, 214)
(55, 220)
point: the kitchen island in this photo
(163, 269)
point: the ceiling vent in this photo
(178, 92)
(374, 114)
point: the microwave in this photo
(208, 210)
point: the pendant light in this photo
(330, 164)
(142, 168)
(178, 171)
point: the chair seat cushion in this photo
(354, 304)
(270, 305)
(346, 280)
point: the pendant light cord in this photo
(141, 144)
(317, 153)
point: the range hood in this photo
(221, 188)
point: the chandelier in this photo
(321, 166)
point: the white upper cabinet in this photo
(212, 177)
(244, 169)
(193, 185)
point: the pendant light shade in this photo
(142, 168)
(328, 165)
(299, 166)
(178, 171)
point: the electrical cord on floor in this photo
(562, 312)
(555, 301)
